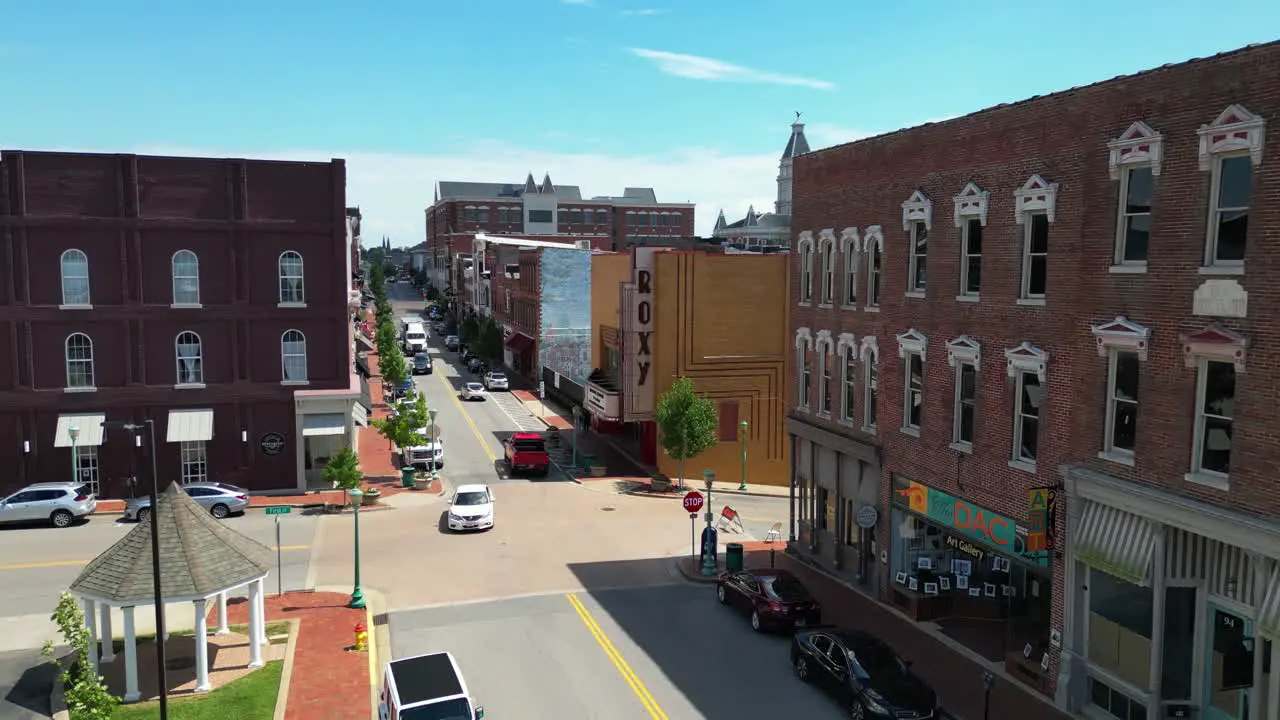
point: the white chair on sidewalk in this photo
(775, 533)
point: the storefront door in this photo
(1228, 665)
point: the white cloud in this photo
(642, 12)
(696, 67)
(393, 190)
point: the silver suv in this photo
(220, 499)
(58, 503)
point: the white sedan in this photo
(473, 391)
(472, 508)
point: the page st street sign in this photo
(279, 510)
(693, 501)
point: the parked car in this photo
(422, 364)
(527, 452)
(495, 381)
(423, 454)
(426, 686)
(863, 673)
(403, 390)
(471, 508)
(476, 365)
(58, 503)
(220, 499)
(451, 342)
(473, 391)
(774, 599)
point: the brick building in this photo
(1022, 341)
(209, 296)
(462, 209)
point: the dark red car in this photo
(774, 599)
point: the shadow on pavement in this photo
(31, 691)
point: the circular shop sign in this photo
(272, 443)
(867, 517)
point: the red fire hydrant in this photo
(362, 638)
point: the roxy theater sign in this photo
(638, 338)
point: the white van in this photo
(426, 687)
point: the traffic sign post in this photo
(693, 502)
(277, 511)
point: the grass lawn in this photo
(252, 697)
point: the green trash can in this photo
(406, 477)
(733, 557)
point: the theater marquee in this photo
(637, 338)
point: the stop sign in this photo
(693, 501)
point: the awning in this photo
(363, 343)
(324, 424)
(1269, 613)
(360, 414)
(190, 426)
(519, 342)
(1116, 542)
(88, 430)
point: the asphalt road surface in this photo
(654, 653)
(38, 563)
(26, 680)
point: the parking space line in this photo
(615, 657)
(466, 416)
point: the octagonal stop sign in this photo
(693, 502)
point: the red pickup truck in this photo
(527, 452)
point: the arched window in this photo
(293, 356)
(79, 352)
(190, 359)
(291, 286)
(75, 277)
(185, 268)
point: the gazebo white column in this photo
(255, 623)
(222, 613)
(202, 646)
(91, 624)
(262, 611)
(131, 693)
(104, 631)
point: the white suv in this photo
(495, 381)
(58, 503)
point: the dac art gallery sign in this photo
(637, 339)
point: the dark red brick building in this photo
(210, 296)
(1024, 340)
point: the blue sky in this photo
(692, 97)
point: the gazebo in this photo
(200, 559)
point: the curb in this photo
(688, 573)
(57, 697)
(286, 673)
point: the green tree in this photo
(468, 329)
(384, 338)
(375, 258)
(377, 281)
(687, 422)
(343, 471)
(488, 342)
(393, 367)
(401, 427)
(86, 694)
(382, 310)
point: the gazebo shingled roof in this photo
(199, 557)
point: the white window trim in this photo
(1197, 474)
(1217, 344)
(917, 208)
(1117, 260)
(1138, 146)
(177, 360)
(911, 342)
(284, 356)
(1236, 129)
(1035, 195)
(827, 261)
(1017, 460)
(1024, 289)
(824, 346)
(193, 453)
(63, 276)
(960, 364)
(804, 254)
(873, 243)
(281, 277)
(971, 203)
(850, 247)
(914, 257)
(964, 349)
(1211, 232)
(804, 344)
(964, 295)
(66, 358)
(175, 277)
(1026, 358)
(869, 352)
(1109, 451)
(846, 344)
(1121, 334)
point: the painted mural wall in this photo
(565, 343)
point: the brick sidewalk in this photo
(328, 680)
(957, 680)
(544, 412)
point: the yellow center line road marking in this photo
(484, 445)
(74, 563)
(623, 668)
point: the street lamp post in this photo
(357, 595)
(73, 432)
(742, 426)
(431, 416)
(709, 565)
(157, 593)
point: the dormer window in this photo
(1230, 147)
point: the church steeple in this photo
(720, 221)
(797, 144)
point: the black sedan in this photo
(863, 673)
(774, 599)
